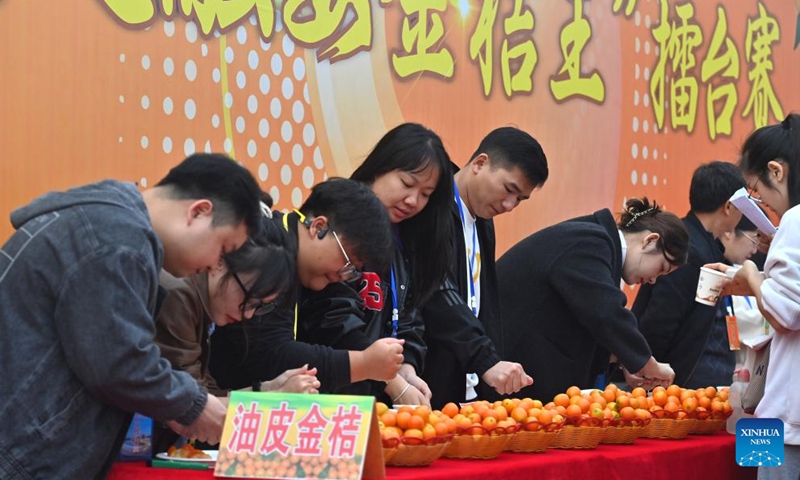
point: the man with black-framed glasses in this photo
(341, 227)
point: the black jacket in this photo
(675, 326)
(457, 341)
(350, 318)
(263, 347)
(563, 307)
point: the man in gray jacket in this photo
(78, 295)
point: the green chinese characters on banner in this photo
(293, 436)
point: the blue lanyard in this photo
(729, 305)
(395, 314)
(473, 303)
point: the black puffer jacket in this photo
(352, 317)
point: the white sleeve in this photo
(780, 292)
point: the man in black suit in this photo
(463, 317)
(690, 336)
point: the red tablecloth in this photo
(697, 457)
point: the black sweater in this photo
(563, 308)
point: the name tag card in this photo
(294, 436)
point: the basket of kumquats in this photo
(670, 408)
(413, 436)
(483, 429)
(623, 414)
(538, 426)
(712, 412)
(586, 414)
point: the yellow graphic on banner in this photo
(630, 6)
(661, 34)
(762, 32)
(326, 26)
(518, 55)
(208, 13)
(481, 45)
(684, 90)
(677, 42)
(722, 61)
(569, 82)
(422, 37)
(523, 53)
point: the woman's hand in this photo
(296, 380)
(403, 393)
(410, 374)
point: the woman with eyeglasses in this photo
(771, 165)
(410, 173)
(249, 281)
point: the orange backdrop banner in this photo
(626, 96)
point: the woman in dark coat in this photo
(563, 310)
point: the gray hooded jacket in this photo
(78, 294)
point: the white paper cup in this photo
(709, 286)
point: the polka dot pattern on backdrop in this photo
(232, 93)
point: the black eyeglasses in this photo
(256, 304)
(752, 190)
(349, 272)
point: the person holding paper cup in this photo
(771, 165)
(692, 336)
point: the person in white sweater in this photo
(771, 165)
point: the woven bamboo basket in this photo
(707, 423)
(388, 453)
(582, 438)
(531, 442)
(668, 428)
(707, 426)
(624, 431)
(534, 437)
(489, 445)
(414, 452)
(416, 455)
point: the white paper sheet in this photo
(751, 210)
